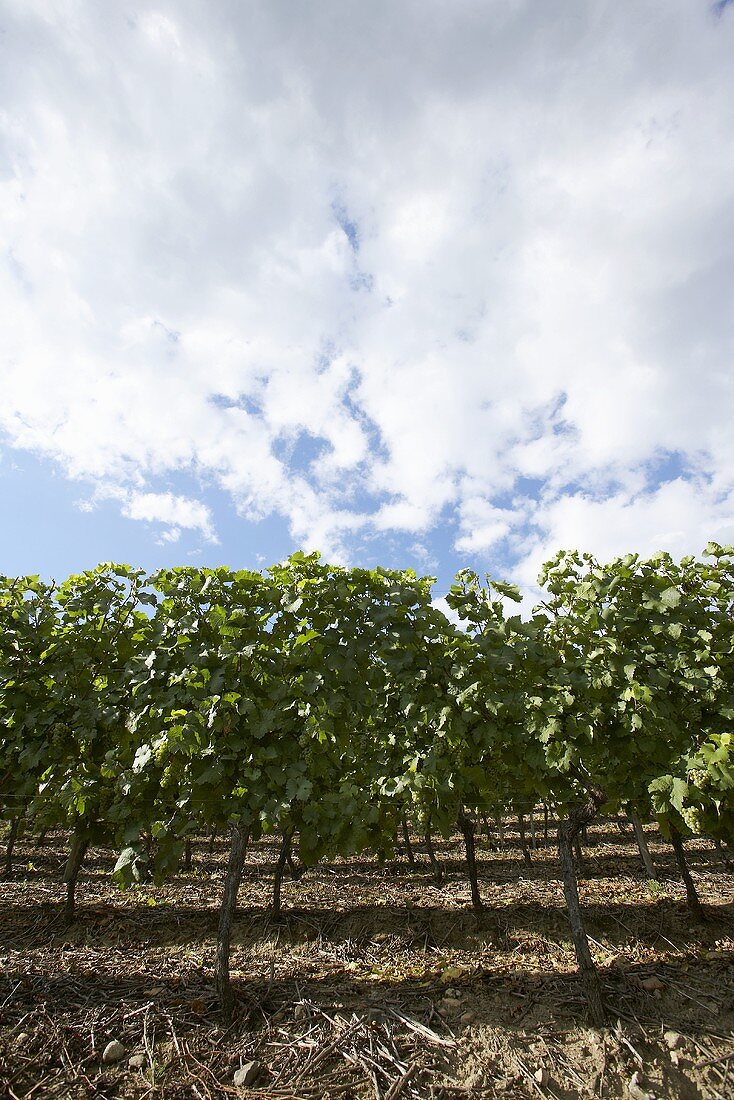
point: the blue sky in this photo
(421, 285)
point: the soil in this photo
(376, 981)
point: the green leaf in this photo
(671, 597)
(510, 591)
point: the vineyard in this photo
(441, 808)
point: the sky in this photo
(412, 282)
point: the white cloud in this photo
(369, 269)
(483, 525)
(170, 535)
(173, 511)
(680, 516)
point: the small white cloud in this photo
(403, 515)
(482, 525)
(174, 511)
(171, 534)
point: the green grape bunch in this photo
(700, 778)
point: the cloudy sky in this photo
(414, 282)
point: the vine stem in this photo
(692, 898)
(237, 850)
(435, 865)
(568, 831)
(285, 848)
(10, 844)
(468, 829)
(524, 840)
(79, 845)
(406, 841)
(642, 845)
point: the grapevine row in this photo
(325, 703)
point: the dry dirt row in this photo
(376, 982)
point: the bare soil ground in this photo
(376, 982)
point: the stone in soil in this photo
(636, 1089)
(113, 1052)
(247, 1074)
(673, 1039)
